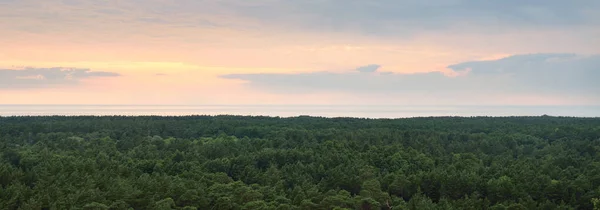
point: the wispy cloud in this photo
(406, 16)
(549, 74)
(368, 17)
(47, 77)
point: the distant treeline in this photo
(242, 162)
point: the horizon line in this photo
(405, 105)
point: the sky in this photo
(400, 52)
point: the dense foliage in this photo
(234, 162)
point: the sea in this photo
(361, 111)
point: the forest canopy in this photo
(243, 162)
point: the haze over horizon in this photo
(402, 52)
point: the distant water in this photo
(377, 111)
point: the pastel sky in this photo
(438, 52)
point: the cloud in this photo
(46, 77)
(567, 73)
(368, 68)
(443, 13)
(396, 16)
(548, 74)
(392, 17)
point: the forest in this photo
(299, 163)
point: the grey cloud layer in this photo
(382, 16)
(46, 77)
(371, 17)
(550, 74)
